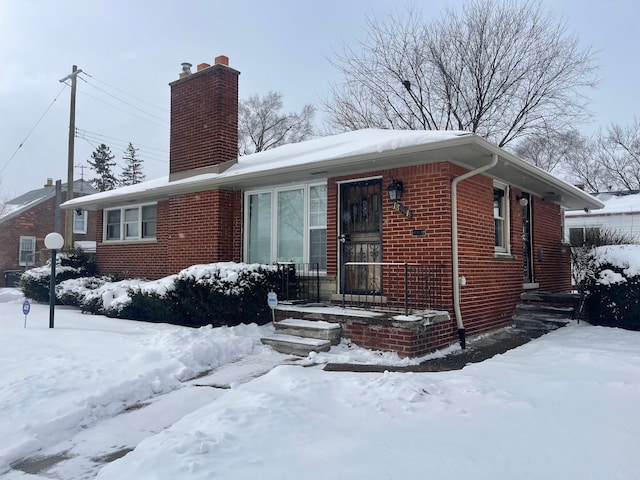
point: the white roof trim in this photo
(351, 153)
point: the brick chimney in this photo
(204, 117)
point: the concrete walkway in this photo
(479, 349)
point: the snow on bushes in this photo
(614, 286)
(225, 293)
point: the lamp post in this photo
(53, 242)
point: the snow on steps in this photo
(300, 337)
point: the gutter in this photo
(455, 261)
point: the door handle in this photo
(344, 237)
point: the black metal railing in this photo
(393, 286)
(299, 282)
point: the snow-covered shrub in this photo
(584, 263)
(35, 282)
(83, 293)
(223, 294)
(614, 287)
(148, 306)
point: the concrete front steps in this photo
(545, 310)
(301, 337)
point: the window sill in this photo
(504, 256)
(130, 242)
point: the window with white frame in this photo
(131, 223)
(80, 221)
(501, 217)
(27, 253)
(287, 225)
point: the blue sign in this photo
(26, 307)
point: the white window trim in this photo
(82, 231)
(506, 250)
(306, 187)
(122, 238)
(33, 252)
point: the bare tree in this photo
(498, 68)
(262, 126)
(554, 152)
(618, 151)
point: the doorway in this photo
(361, 236)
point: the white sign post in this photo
(272, 301)
(26, 308)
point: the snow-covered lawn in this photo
(565, 406)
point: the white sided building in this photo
(621, 213)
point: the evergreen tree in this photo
(103, 165)
(132, 170)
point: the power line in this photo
(32, 129)
(144, 155)
(126, 93)
(79, 130)
(124, 111)
(125, 102)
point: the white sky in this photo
(282, 45)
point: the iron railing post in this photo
(406, 288)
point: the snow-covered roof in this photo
(28, 200)
(350, 153)
(615, 203)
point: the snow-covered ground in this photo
(215, 403)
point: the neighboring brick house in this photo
(490, 220)
(27, 219)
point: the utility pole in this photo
(68, 225)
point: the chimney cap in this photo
(222, 60)
(186, 67)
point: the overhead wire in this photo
(32, 129)
(126, 93)
(123, 144)
(166, 125)
(124, 101)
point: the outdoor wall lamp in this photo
(524, 201)
(395, 189)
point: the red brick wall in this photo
(195, 228)
(204, 227)
(494, 282)
(204, 118)
(135, 259)
(407, 342)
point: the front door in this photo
(361, 236)
(527, 252)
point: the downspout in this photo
(455, 261)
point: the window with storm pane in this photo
(131, 223)
(318, 225)
(259, 234)
(290, 226)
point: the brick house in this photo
(28, 218)
(490, 222)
